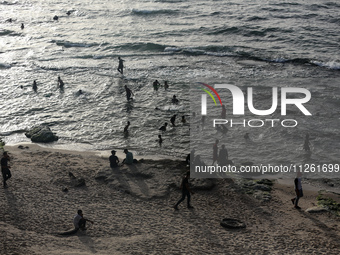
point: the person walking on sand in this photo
(79, 221)
(6, 173)
(113, 159)
(120, 65)
(298, 190)
(128, 93)
(186, 191)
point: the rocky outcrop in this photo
(41, 134)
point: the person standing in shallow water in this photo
(34, 86)
(186, 191)
(60, 82)
(120, 65)
(128, 93)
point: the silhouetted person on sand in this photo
(128, 93)
(34, 86)
(120, 65)
(6, 173)
(60, 83)
(79, 221)
(129, 157)
(173, 119)
(298, 190)
(113, 159)
(163, 128)
(186, 191)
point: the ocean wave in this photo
(8, 3)
(142, 47)
(5, 66)
(153, 12)
(67, 44)
(330, 65)
(5, 32)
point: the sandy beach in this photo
(132, 210)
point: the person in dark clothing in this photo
(186, 191)
(223, 156)
(60, 82)
(79, 221)
(6, 173)
(298, 190)
(128, 93)
(120, 65)
(113, 159)
(156, 85)
(173, 119)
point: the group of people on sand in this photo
(114, 161)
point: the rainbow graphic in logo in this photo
(209, 93)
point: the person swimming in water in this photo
(163, 128)
(173, 119)
(127, 127)
(120, 65)
(174, 100)
(128, 93)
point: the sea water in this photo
(261, 44)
